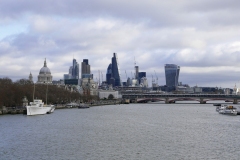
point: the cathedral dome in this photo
(45, 69)
(44, 74)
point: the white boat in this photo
(228, 110)
(37, 107)
(83, 105)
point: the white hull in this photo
(37, 107)
(52, 108)
(35, 110)
(228, 110)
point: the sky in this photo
(201, 36)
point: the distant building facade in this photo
(104, 94)
(172, 74)
(45, 74)
(89, 87)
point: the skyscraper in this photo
(136, 72)
(75, 70)
(115, 71)
(86, 71)
(172, 74)
(109, 74)
(141, 75)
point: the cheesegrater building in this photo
(113, 75)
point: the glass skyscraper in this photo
(73, 75)
(115, 71)
(75, 70)
(141, 75)
(172, 74)
(109, 74)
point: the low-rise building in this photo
(104, 94)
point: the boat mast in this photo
(33, 90)
(46, 93)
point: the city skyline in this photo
(201, 36)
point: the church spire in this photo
(45, 63)
(30, 77)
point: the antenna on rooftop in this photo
(99, 77)
(135, 61)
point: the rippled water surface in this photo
(135, 131)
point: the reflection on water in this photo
(135, 131)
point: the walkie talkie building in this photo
(172, 74)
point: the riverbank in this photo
(20, 110)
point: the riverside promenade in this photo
(21, 109)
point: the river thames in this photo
(117, 132)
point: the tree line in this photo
(12, 93)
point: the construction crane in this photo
(126, 74)
(99, 77)
(156, 77)
(153, 81)
(102, 76)
(135, 61)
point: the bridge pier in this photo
(166, 100)
(235, 101)
(202, 101)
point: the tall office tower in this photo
(141, 75)
(86, 72)
(70, 72)
(75, 70)
(136, 72)
(172, 74)
(115, 71)
(109, 74)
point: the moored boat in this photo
(228, 110)
(37, 107)
(83, 105)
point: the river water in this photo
(116, 132)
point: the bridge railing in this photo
(182, 95)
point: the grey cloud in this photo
(162, 13)
(188, 33)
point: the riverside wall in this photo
(21, 110)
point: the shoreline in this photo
(20, 110)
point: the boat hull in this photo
(34, 110)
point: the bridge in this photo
(172, 98)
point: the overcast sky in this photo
(201, 36)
